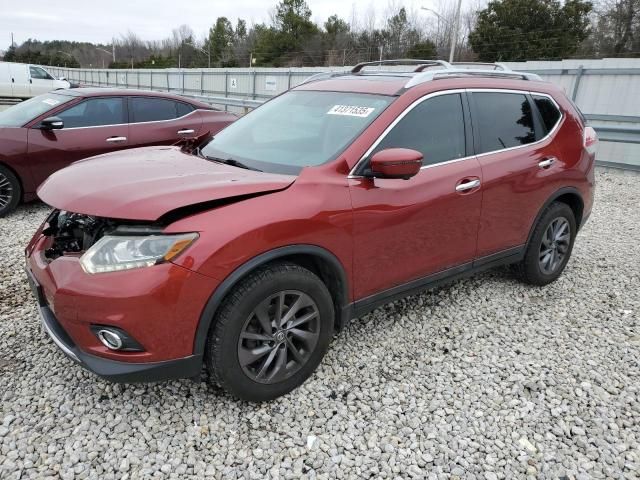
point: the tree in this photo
(294, 25)
(423, 50)
(515, 30)
(221, 37)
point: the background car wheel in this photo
(10, 191)
(271, 332)
(550, 246)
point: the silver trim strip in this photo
(55, 339)
(454, 91)
(136, 123)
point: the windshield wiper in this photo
(232, 162)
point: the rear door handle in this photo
(547, 162)
(116, 139)
(463, 187)
(186, 131)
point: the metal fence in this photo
(607, 91)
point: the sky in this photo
(100, 21)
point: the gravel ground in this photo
(485, 378)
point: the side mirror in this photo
(62, 78)
(401, 163)
(52, 123)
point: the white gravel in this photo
(485, 378)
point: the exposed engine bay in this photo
(73, 233)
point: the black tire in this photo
(539, 266)
(237, 318)
(10, 191)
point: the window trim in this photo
(537, 109)
(461, 91)
(414, 104)
(86, 99)
(526, 93)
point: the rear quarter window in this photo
(549, 112)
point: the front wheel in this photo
(550, 246)
(10, 191)
(271, 332)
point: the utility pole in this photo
(250, 59)
(113, 49)
(454, 33)
(381, 48)
(12, 39)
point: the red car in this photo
(329, 200)
(46, 133)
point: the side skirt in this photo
(367, 304)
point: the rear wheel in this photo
(550, 246)
(10, 191)
(271, 332)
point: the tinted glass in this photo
(434, 127)
(152, 109)
(504, 120)
(94, 112)
(22, 113)
(39, 73)
(548, 111)
(297, 129)
(183, 109)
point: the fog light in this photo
(115, 338)
(110, 339)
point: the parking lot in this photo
(484, 378)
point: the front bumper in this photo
(113, 370)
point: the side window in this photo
(548, 111)
(39, 73)
(94, 112)
(149, 109)
(504, 120)
(183, 109)
(434, 127)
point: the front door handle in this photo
(186, 131)
(463, 187)
(547, 162)
(116, 139)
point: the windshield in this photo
(296, 130)
(22, 113)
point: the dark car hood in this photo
(147, 183)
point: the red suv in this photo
(46, 133)
(333, 198)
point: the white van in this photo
(20, 80)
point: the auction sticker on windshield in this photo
(351, 110)
(51, 101)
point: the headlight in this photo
(118, 252)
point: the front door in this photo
(409, 229)
(40, 81)
(91, 127)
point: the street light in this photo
(454, 28)
(108, 53)
(208, 52)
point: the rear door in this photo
(91, 127)
(20, 80)
(519, 163)
(161, 121)
(41, 81)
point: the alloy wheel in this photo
(279, 336)
(6, 191)
(555, 245)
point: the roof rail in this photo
(495, 65)
(402, 61)
(323, 76)
(461, 72)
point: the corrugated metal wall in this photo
(607, 90)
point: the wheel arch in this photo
(317, 259)
(570, 196)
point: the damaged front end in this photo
(74, 233)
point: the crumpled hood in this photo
(146, 183)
